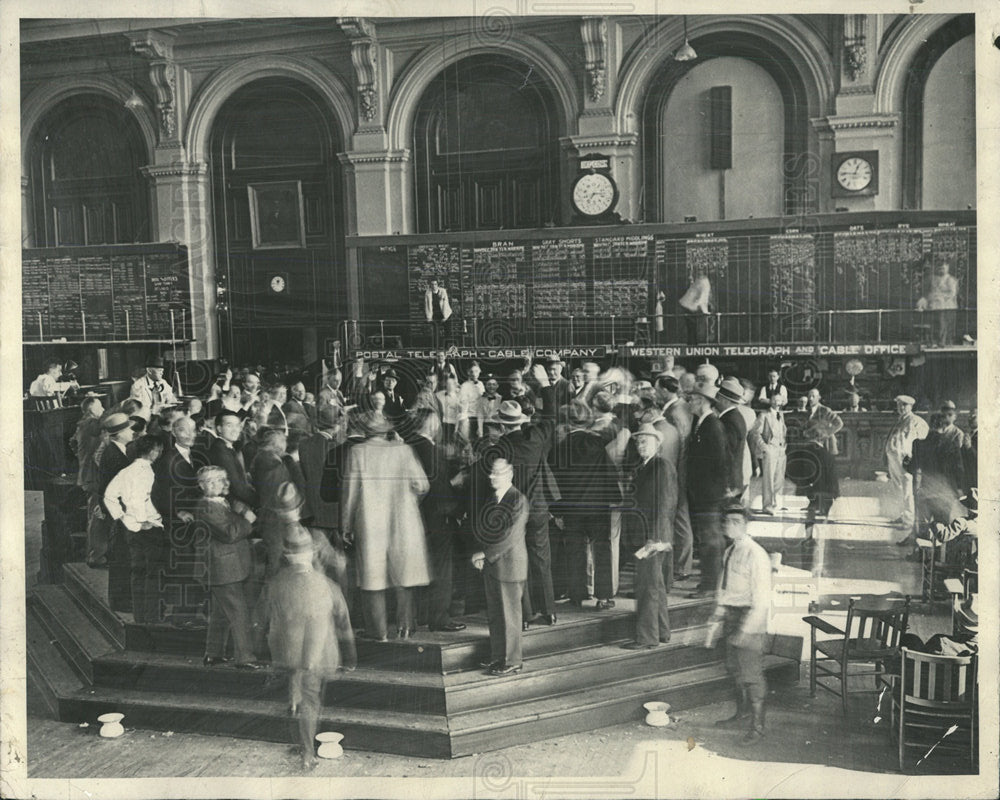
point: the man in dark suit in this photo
(647, 532)
(677, 412)
(527, 448)
(270, 470)
(229, 562)
(300, 414)
(175, 493)
(113, 460)
(707, 471)
(223, 453)
(730, 395)
(499, 527)
(395, 405)
(558, 392)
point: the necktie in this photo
(725, 566)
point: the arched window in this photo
(939, 118)
(85, 179)
(485, 140)
(277, 216)
(766, 172)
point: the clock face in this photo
(594, 194)
(278, 284)
(855, 174)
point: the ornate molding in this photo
(158, 47)
(594, 32)
(195, 169)
(855, 58)
(386, 157)
(596, 141)
(364, 52)
(834, 124)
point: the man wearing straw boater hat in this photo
(707, 470)
(528, 450)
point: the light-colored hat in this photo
(706, 390)
(116, 422)
(286, 498)
(510, 413)
(905, 398)
(648, 430)
(731, 389)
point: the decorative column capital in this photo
(364, 50)
(355, 158)
(854, 61)
(178, 169)
(594, 32)
(158, 48)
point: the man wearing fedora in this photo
(740, 618)
(527, 448)
(226, 527)
(769, 437)
(648, 508)
(114, 459)
(499, 528)
(589, 487)
(395, 405)
(151, 390)
(898, 451)
(727, 400)
(678, 413)
(708, 468)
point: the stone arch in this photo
(41, 100)
(408, 90)
(220, 86)
(793, 39)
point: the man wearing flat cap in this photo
(151, 390)
(898, 451)
(648, 510)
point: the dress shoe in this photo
(699, 594)
(371, 637)
(506, 669)
(211, 661)
(491, 665)
(682, 576)
(665, 639)
(604, 605)
(250, 666)
(451, 627)
(637, 646)
(404, 633)
(549, 619)
(768, 512)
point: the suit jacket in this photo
(313, 452)
(395, 408)
(650, 503)
(295, 408)
(440, 500)
(707, 465)
(499, 528)
(222, 455)
(229, 557)
(767, 430)
(585, 474)
(822, 427)
(175, 487)
(736, 441)
(528, 449)
(555, 396)
(113, 461)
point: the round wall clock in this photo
(594, 194)
(278, 284)
(855, 173)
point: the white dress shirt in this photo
(127, 497)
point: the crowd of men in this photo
(416, 477)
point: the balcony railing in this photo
(879, 325)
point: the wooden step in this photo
(47, 667)
(265, 720)
(611, 704)
(75, 634)
(88, 588)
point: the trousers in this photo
(229, 615)
(538, 596)
(707, 525)
(147, 559)
(652, 621)
(591, 529)
(745, 662)
(902, 483)
(503, 601)
(772, 468)
(376, 620)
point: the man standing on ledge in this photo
(499, 526)
(151, 390)
(437, 311)
(744, 600)
(898, 451)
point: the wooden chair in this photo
(961, 592)
(934, 570)
(46, 403)
(870, 637)
(937, 692)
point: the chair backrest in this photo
(883, 626)
(970, 582)
(47, 403)
(936, 681)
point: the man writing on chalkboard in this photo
(48, 383)
(151, 390)
(437, 309)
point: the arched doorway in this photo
(486, 148)
(86, 185)
(766, 78)
(277, 217)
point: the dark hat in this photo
(579, 415)
(116, 422)
(731, 389)
(489, 376)
(390, 373)
(668, 381)
(326, 418)
(286, 498)
(735, 508)
(154, 361)
(948, 405)
(510, 413)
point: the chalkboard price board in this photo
(106, 293)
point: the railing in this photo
(880, 325)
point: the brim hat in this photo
(648, 430)
(905, 398)
(510, 413)
(948, 405)
(579, 415)
(154, 361)
(706, 390)
(554, 359)
(116, 422)
(731, 389)
(390, 373)
(286, 498)
(669, 381)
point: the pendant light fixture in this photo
(685, 52)
(133, 102)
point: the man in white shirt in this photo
(468, 397)
(898, 450)
(128, 499)
(768, 438)
(742, 607)
(772, 387)
(151, 390)
(48, 384)
(489, 403)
